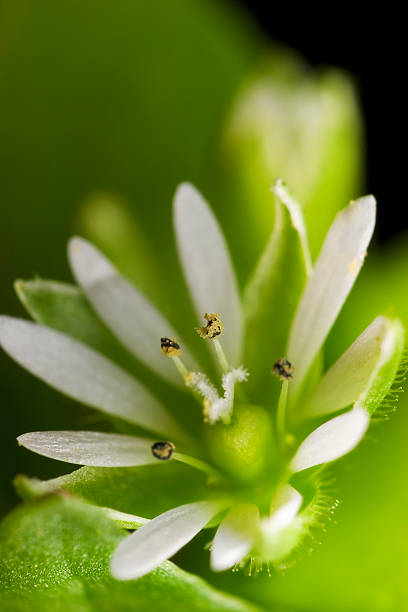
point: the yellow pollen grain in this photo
(213, 329)
(353, 267)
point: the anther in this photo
(213, 329)
(283, 369)
(163, 450)
(170, 347)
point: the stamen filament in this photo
(195, 463)
(178, 362)
(281, 414)
(222, 359)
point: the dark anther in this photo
(163, 450)
(283, 369)
(169, 347)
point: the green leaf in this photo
(271, 295)
(55, 555)
(146, 491)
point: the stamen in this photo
(170, 347)
(222, 360)
(213, 329)
(163, 450)
(283, 369)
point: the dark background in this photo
(371, 45)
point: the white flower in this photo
(267, 531)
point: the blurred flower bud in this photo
(299, 125)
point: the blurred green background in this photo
(129, 99)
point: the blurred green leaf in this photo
(302, 126)
(107, 222)
(55, 556)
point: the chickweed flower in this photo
(273, 418)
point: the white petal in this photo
(331, 440)
(284, 509)
(336, 269)
(83, 374)
(235, 536)
(160, 539)
(126, 311)
(90, 447)
(207, 266)
(350, 376)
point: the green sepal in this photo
(383, 381)
(270, 299)
(145, 491)
(64, 307)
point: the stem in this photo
(222, 360)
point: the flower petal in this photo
(235, 536)
(336, 269)
(352, 373)
(91, 448)
(331, 440)
(126, 311)
(207, 265)
(160, 539)
(83, 374)
(284, 509)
